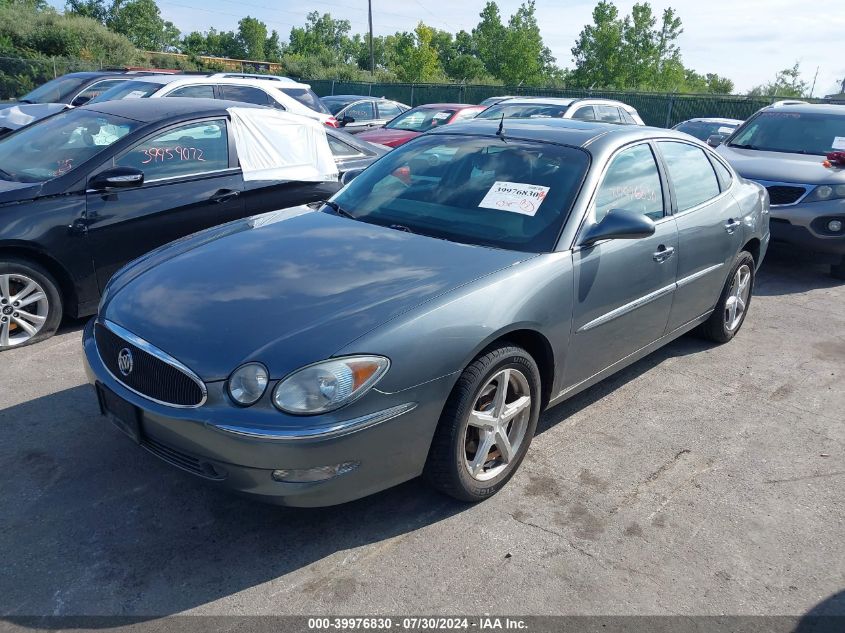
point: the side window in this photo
(246, 94)
(195, 148)
(388, 110)
(692, 175)
(607, 114)
(723, 173)
(632, 182)
(585, 113)
(95, 90)
(202, 92)
(341, 149)
(362, 111)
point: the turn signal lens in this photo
(328, 385)
(247, 383)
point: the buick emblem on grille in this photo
(125, 361)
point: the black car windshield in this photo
(524, 111)
(792, 132)
(703, 130)
(58, 144)
(421, 119)
(59, 90)
(128, 90)
(307, 98)
(510, 194)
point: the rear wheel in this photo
(30, 303)
(732, 307)
(486, 426)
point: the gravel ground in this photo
(702, 480)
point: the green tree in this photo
(141, 22)
(787, 83)
(417, 58)
(322, 36)
(489, 39)
(252, 36)
(597, 51)
(273, 47)
(94, 9)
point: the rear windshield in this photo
(59, 90)
(307, 98)
(524, 111)
(421, 119)
(510, 194)
(128, 90)
(792, 132)
(703, 129)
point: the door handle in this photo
(224, 195)
(663, 253)
(731, 225)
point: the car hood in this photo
(12, 191)
(287, 288)
(780, 167)
(390, 138)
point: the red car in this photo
(417, 120)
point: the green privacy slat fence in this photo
(663, 110)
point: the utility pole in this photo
(813, 89)
(372, 54)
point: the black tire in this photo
(837, 271)
(55, 310)
(715, 328)
(446, 469)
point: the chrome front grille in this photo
(151, 373)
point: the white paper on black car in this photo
(275, 145)
(515, 197)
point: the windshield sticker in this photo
(838, 142)
(135, 94)
(725, 130)
(441, 115)
(515, 197)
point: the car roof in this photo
(150, 110)
(224, 81)
(714, 120)
(563, 101)
(354, 98)
(157, 79)
(808, 108)
(562, 131)
(457, 106)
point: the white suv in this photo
(290, 96)
(601, 110)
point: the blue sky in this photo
(746, 40)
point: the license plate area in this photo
(125, 416)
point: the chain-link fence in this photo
(19, 76)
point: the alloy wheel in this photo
(738, 296)
(497, 424)
(24, 308)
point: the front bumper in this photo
(803, 225)
(219, 443)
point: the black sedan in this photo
(89, 189)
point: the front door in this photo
(188, 186)
(709, 230)
(623, 287)
(361, 117)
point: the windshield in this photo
(524, 111)
(792, 132)
(510, 194)
(307, 98)
(703, 130)
(421, 119)
(336, 105)
(59, 90)
(56, 145)
(128, 90)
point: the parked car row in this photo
(306, 317)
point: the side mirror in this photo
(346, 119)
(714, 140)
(619, 224)
(117, 178)
(349, 176)
(81, 100)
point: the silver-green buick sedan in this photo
(419, 321)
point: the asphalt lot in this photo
(702, 480)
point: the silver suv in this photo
(785, 149)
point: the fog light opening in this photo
(834, 226)
(310, 475)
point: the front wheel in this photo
(30, 303)
(732, 307)
(486, 426)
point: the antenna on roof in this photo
(501, 130)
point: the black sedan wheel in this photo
(30, 304)
(486, 426)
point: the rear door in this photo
(190, 183)
(709, 229)
(623, 288)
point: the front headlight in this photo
(248, 383)
(826, 192)
(328, 385)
